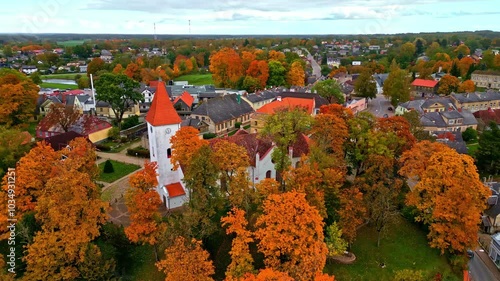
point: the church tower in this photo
(163, 122)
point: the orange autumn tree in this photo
(268, 274)
(228, 157)
(81, 155)
(329, 132)
(267, 187)
(185, 143)
(118, 69)
(241, 259)
(448, 84)
(290, 234)
(18, 94)
(401, 127)
(259, 69)
(467, 86)
(442, 176)
(296, 75)
(226, 68)
(351, 212)
(186, 260)
(246, 58)
(133, 71)
(143, 203)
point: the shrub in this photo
(207, 136)
(108, 167)
(130, 122)
(140, 152)
(469, 135)
(114, 133)
(237, 125)
(103, 147)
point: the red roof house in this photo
(270, 108)
(424, 87)
(184, 102)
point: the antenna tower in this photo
(154, 26)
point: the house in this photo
(423, 87)
(490, 221)
(106, 56)
(495, 249)
(61, 141)
(477, 101)
(259, 151)
(148, 93)
(183, 104)
(198, 124)
(356, 104)
(28, 69)
(416, 105)
(451, 120)
(333, 62)
(103, 109)
(89, 126)
(485, 117)
(452, 139)
(222, 113)
(486, 79)
(82, 68)
(259, 99)
(438, 104)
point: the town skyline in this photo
(250, 18)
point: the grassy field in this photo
(70, 43)
(58, 86)
(197, 79)
(121, 170)
(472, 148)
(404, 247)
(69, 76)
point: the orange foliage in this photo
(464, 64)
(267, 274)
(448, 84)
(118, 69)
(453, 221)
(229, 156)
(260, 70)
(296, 75)
(133, 71)
(467, 86)
(185, 144)
(18, 95)
(351, 212)
(329, 133)
(335, 71)
(337, 110)
(276, 55)
(226, 68)
(246, 58)
(81, 156)
(143, 202)
(401, 127)
(267, 187)
(291, 236)
(186, 261)
(241, 259)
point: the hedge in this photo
(140, 152)
(103, 147)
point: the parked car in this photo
(390, 108)
(470, 254)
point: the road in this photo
(479, 271)
(379, 106)
(314, 64)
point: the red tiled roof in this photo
(75, 92)
(186, 98)
(250, 142)
(85, 125)
(162, 112)
(175, 189)
(272, 107)
(424, 83)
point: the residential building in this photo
(495, 249)
(183, 104)
(486, 79)
(490, 221)
(28, 69)
(83, 68)
(222, 113)
(451, 120)
(356, 104)
(106, 56)
(259, 99)
(477, 101)
(416, 105)
(61, 141)
(163, 122)
(104, 109)
(423, 88)
(452, 139)
(148, 94)
(89, 126)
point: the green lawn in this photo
(472, 148)
(121, 170)
(143, 267)
(405, 246)
(70, 43)
(69, 76)
(58, 86)
(197, 79)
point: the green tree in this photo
(419, 47)
(7, 51)
(469, 135)
(397, 85)
(334, 242)
(406, 54)
(416, 128)
(455, 71)
(330, 90)
(36, 78)
(284, 128)
(488, 154)
(108, 167)
(83, 82)
(277, 74)
(119, 91)
(365, 85)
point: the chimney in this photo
(63, 99)
(440, 68)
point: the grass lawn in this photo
(197, 79)
(121, 170)
(69, 76)
(71, 43)
(58, 86)
(143, 268)
(404, 247)
(472, 148)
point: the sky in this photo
(235, 17)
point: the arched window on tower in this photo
(268, 174)
(169, 153)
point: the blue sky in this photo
(248, 16)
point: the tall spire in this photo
(162, 112)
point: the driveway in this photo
(481, 267)
(379, 106)
(314, 64)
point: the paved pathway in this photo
(482, 267)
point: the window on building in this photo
(255, 123)
(151, 129)
(451, 122)
(169, 153)
(268, 174)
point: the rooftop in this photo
(424, 83)
(162, 111)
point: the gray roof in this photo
(144, 87)
(105, 53)
(431, 119)
(451, 114)
(457, 143)
(445, 101)
(469, 118)
(413, 104)
(380, 78)
(223, 108)
(177, 90)
(262, 96)
(477, 96)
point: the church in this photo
(163, 122)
